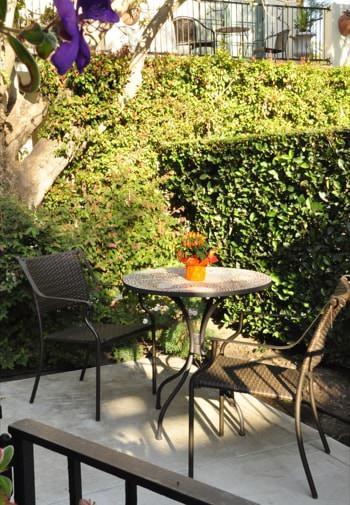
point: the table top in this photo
(232, 29)
(219, 282)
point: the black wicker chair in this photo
(278, 46)
(66, 281)
(194, 34)
(230, 375)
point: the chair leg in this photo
(315, 414)
(221, 412)
(86, 362)
(237, 408)
(98, 381)
(38, 373)
(300, 441)
(191, 428)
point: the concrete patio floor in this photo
(264, 466)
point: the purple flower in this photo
(97, 9)
(74, 47)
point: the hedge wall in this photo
(114, 202)
(279, 204)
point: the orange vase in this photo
(195, 272)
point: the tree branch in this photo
(147, 37)
(22, 121)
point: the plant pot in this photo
(302, 44)
(344, 24)
(195, 272)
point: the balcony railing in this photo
(245, 30)
(136, 473)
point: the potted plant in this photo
(305, 19)
(196, 255)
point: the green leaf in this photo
(5, 485)
(33, 34)
(3, 9)
(7, 455)
(274, 174)
(27, 59)
(48, 45)
(341, 164)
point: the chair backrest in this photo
(185, 30)
(281, 40)
(336, 303)
(60, 275)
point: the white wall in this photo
(337, 46)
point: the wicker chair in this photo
(277, 47)
(192, 33)
(63, 282)
(230, 375)
(280, 45)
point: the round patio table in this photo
(220, 282)
(242, 31)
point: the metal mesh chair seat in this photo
(64, 282)
(108, 333)
(253, 377)
(229, 375)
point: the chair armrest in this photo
(290, 345)
(205, 27)
(273, 347)
(63, 299)
(231, 340)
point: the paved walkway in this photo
(263, 466)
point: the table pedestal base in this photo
(196, 344)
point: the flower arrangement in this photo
(194, 250)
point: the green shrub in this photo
(277, 204)
(114, 202)
(22, 233)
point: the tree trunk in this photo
(136, 65)
(20, 115)
(34, 175)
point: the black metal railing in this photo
(135, 472)
(245, 29)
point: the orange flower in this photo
(192, 261)
(194, 250)
(212, 258)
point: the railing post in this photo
(130, 492)
(134, 472)
(23, 471)
(259, 43)
(74, 481)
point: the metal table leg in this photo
(154, 350)
(196, 347)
